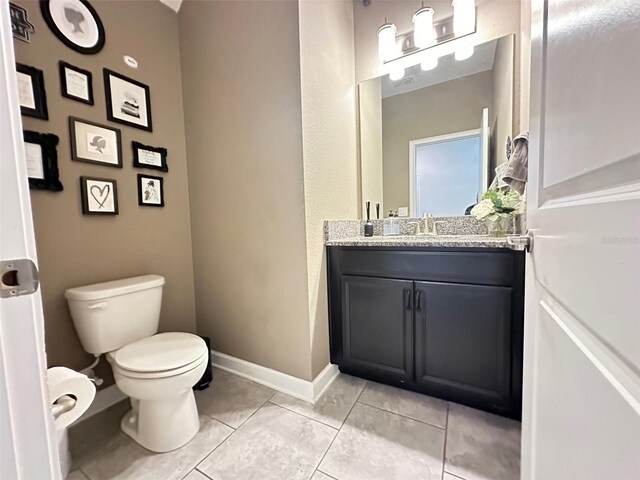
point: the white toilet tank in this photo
(110, 315)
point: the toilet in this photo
(156, 370)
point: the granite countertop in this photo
(460, 241)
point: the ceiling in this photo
(448, 69)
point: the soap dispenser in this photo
(368, 227)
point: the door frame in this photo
(27, 433)
(414, 144)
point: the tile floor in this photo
(358, 430)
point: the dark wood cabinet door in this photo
(377, 323)
(463, 338)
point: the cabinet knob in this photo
(418, 301)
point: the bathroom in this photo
(264, 129)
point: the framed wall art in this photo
(150, 191)
(145, 156)
(33, 98)
(75, 23)
(128, 101)
(20, 25)
(42, 161)
(95, 143)
(76, 83)
(99, 196)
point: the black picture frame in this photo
(64, 88)
(77, 156)
(120, 117)
(137, 146)
(38, 92)
(49, 157)
(86, 190)
(58, 32)
(142, 200)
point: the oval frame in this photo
(46, 13)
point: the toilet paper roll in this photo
(64, 381)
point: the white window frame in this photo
(414, 144)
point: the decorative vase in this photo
(498, 227)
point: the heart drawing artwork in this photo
(99, 196)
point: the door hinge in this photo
(18, 277)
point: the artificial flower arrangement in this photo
(497, 208)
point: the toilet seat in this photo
(159, 356)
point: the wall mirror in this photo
(430, 141)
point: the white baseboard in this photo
(104, 399)
(296, 387)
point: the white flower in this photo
(483, 209)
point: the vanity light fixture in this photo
(396, 73)
(423, 33)
(463, 53)
(429, 63)
(464, 17)
(427, 33)
(387, 41)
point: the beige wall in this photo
(501, 111)
(329, 145)
(440, 109)
(370, 111)
(495, 18)
(241, 75)
(76, 249)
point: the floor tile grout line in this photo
(203, 474)
(444, 448)
(364, 385)
(326, 474)
(229, 436)
(305, 416)
(403, 416)
(453, 475)
(218, 420)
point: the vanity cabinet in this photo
(378, 326)
(447, 322)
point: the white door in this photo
(28, 448)
(581, 412)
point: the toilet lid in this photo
(164, 351)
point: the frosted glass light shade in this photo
(429, 63)
(387, 42)
(423, 33)
(396, 73)
(464, 16)
(464, 52)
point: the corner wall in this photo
(241, 87)
(329, 145)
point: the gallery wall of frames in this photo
(101, 100)
(77, 25)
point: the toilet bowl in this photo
(158, 373)
(156, 370)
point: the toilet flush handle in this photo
(97, 306)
